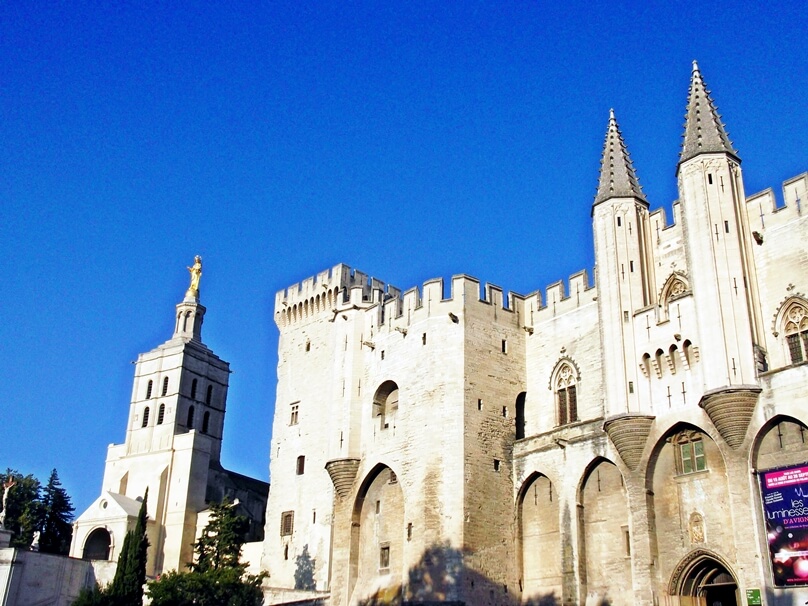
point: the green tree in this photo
(217, 578)
(126, 588)
(57, 511)
(24, 508)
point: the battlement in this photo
(763, 210)
(341, 288)
(558, 299)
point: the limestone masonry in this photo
(636, 440)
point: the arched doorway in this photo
(377, 537)
(540, 536)
(96, 547)
(702, 579)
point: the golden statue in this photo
(196, 274)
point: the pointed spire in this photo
(617, 176)
(704, 131)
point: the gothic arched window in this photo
(145, 417)
(149, 388)
(165, 386)
(796, 332)
(161, 414)
(566, 394)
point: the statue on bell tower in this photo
(196, 274)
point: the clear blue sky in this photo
(408, 140)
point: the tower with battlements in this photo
(595, 443)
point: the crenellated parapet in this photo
(764, 213)
(560, 298)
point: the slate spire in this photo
(617, 176)
(704, 131)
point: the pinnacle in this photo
(617, 176)
(704, 131)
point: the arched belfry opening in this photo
(97, 545)
(378, 535)
(703, 578)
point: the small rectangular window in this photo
(504, 346)
(384, 557)
(313, 516)
(496, 464)
(726, 226)
(409, 531)
(710, 179)
(625, 316)
(301, 465)
(479, 404)
(627, 539)
(287, 523)
(504, 412)
(378, 507)
(618, 222)
(423, 339)
(631, 266)
(294, 417)
(382, 354)
(631, 387)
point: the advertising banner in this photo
(785, 507)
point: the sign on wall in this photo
(785, 506)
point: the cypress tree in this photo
(130, 575)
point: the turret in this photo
(718, 244)
(624, 267)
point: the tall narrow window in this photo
(520, 416)
(205, 422)
(796, 331)
(209, 395)
(145, 417)
(193, 389)
(295, 412)
(165, 386)
(287, 523)
(149, 388)
(566, 395)
(190, 423)
(384, 557)
(301, 465)
(161, 414)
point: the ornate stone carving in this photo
(628, 433)
(343, 474)
(731, 410)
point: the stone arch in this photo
(686, 478)
(565, 381)
(97, 545)
(377, 524)
(604, 528)
(385, 404)
(539, 535)
(705, 577)
(675, 286)
(791, 320)
(781, 441)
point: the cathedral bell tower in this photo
(623, 265)
(718, 245)
(172, 447)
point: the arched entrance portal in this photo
(702, 579)
(97, 545)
